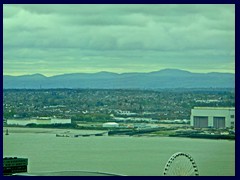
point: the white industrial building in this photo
(38, 121)
(110, 125)
(126, 113)
(215, 117)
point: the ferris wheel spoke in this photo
(189, 171)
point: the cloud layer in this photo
(56, 39)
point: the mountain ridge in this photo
(107, 72)
(167, 78)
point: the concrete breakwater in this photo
(132, 132)
(207, 136)
(129, 132)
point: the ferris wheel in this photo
(181, 164)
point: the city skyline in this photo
(64, 39)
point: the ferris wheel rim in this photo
(174, 156)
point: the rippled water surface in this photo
(123, 155)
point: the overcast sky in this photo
(57, 39)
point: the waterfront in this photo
(140, 156)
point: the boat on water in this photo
(62, 135)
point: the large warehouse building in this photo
(216, 117)
(38, 121)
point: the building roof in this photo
(216, 108)
(68, 173)
(112, 123)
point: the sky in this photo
(62, 39)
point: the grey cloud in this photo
(113, 34)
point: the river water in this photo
(134, 156)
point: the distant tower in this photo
(7, 132)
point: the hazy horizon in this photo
(111, 72)
(65, 39)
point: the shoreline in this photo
(45, 130)
(56, 131)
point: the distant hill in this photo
(167, 78)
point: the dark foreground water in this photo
(140, 156)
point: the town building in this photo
(213, 117)
(14, 165)
(126, 113)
